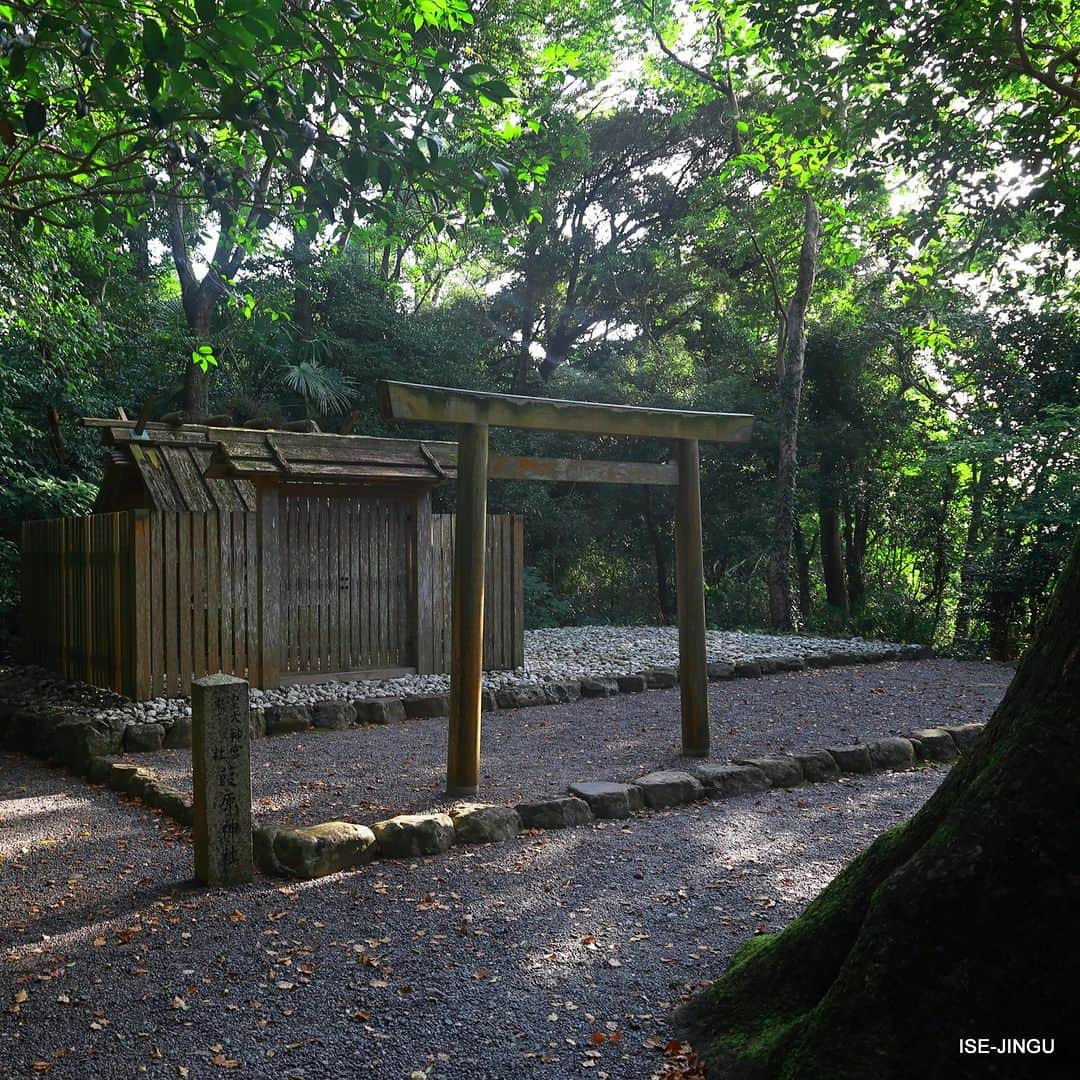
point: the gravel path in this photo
(498, 962)
(367, 774)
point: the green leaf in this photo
(35, 116)
(206, 10)
(153, 41)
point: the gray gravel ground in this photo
(364, 775)
(493, 962)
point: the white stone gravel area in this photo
(551, 655)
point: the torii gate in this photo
(475, 413)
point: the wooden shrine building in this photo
(278, 556)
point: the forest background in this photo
(861, 227)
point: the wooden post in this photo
(467, 618)
(221, 780)
(269, 653)
(690, 575)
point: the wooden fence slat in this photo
(213, 595)
(517, 592)
(253, 640)
(198, 595)
(228, 602)
(184, 599)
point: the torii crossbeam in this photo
(475, 413)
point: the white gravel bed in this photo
(551, 655)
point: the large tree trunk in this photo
(661, 561)
(980, 476)
(856, 526)
(782, 612)
(959, 924)
(832, 544)
(200, 298)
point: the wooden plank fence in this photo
(143, 602)
(504, 611)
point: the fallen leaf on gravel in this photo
(614, 961)
(179, 1003)
(480, 973)
(41, 1066)
(598, 1037)
(99, 941)
(223, 1062)
(182, 1071)
(20, 996)
(361, 1014)
(237, 916)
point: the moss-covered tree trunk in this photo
(961, 923)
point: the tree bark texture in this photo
(959, 923)
(661, 560)
(782, 611)
(832, 545)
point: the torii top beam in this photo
(437, 404)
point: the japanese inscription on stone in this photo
(221, 771)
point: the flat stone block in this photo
(318, 850)
(598, 688)
(379, 711)
(818, 766)
(77, 740)
(934, 744)
(609, 800)
(477, 824)
(891, 752)
(97, 770)
(661, 678)
(782, 772)
(561, 693)
(668, 787)
(129, 779)
(748, 669)
(562, 812)
(790, 663)
(285, 719)
(769, 665)
(144, 738)
(173, 804)
(414, 834)
(818, 660)
(727, 781)
(262, 845)
(965, 734)
(520, 697)
(257, 723)
(852, 759)
(719, 669)
(426, 706)
(178, 736)
(487, 700)
(630, 684)
(333, 715)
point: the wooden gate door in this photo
(347, 578)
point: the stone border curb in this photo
(36, 730)
(313, 851)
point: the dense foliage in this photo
(611, 203)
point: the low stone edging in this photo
(69, 737)
(314, 851)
